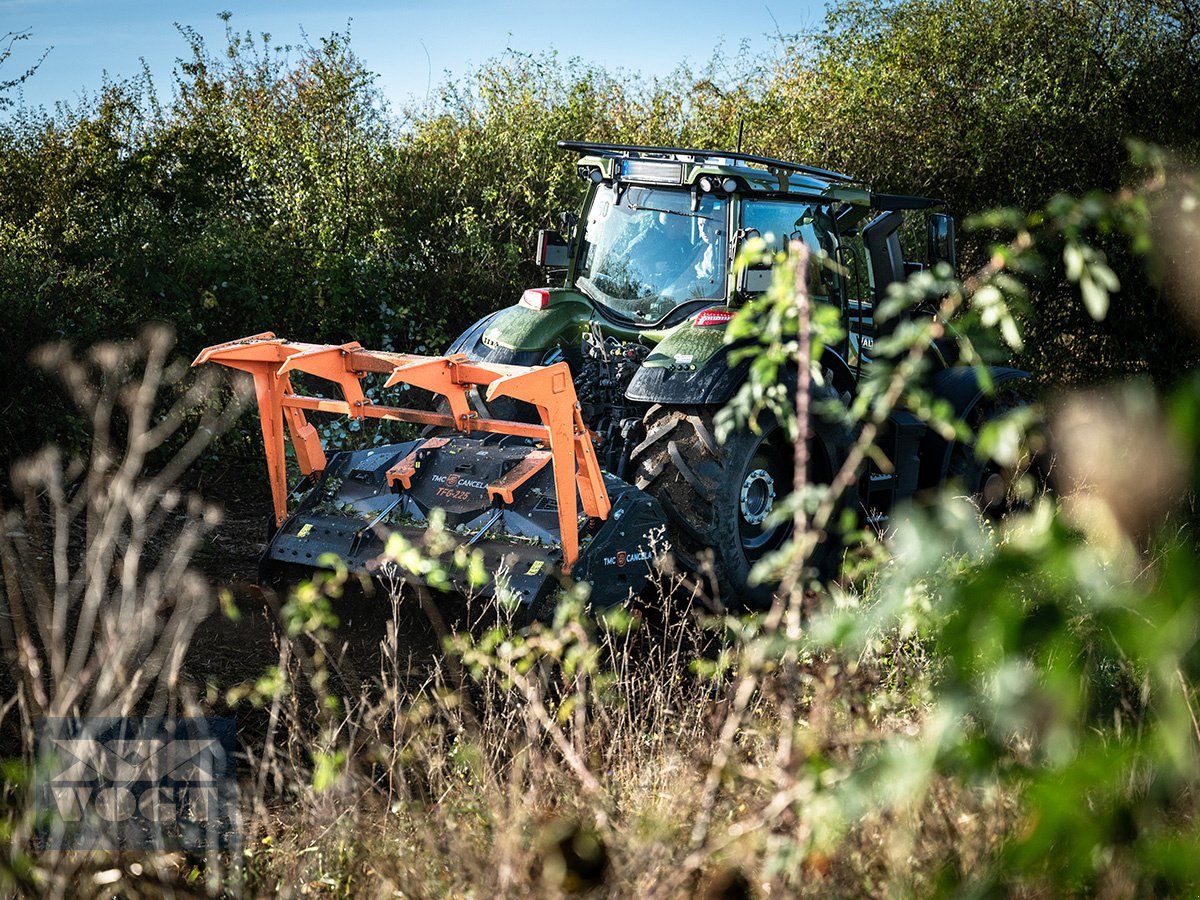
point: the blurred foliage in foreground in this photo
(269, 188)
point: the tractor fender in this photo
(473, 336)
(960, 386)
(717, 380)
(471, 343)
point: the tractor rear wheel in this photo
(718, 497)
(996, 489)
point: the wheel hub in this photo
(758, 496)
(994, 489)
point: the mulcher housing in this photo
(531, 497)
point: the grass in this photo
(934, 727)
(573, 760)
(617, 758)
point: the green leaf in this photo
(1095, 297)
(327, 768)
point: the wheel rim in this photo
(758, 496)
(766, 478)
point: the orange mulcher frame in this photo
(549, 388)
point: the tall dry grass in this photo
(579, 757)
(633, 756)
(100, 602)
(677, 753)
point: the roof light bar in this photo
(709, 156)
(652, 171)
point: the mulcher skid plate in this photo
(497, 486)
(352, 511)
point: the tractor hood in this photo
(690, 364)
(523, 328)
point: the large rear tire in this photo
(717, 497)
(995, 489)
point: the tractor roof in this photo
(681, 165)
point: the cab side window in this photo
(778, 221)
(853, 274)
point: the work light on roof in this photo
(652, 171)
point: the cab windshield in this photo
(648, 252)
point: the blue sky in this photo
(90, 37)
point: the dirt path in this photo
(226, 652)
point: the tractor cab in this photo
(648, 254)
(662, 227)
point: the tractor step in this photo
(900, 441)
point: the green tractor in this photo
(630, 331)
(642, 285)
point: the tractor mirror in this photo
(756, 278)
(940, 231)
(552, 250)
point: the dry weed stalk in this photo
(99, 603)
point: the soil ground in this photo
(224, 652)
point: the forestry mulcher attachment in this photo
(577, 423)
(509, 487)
